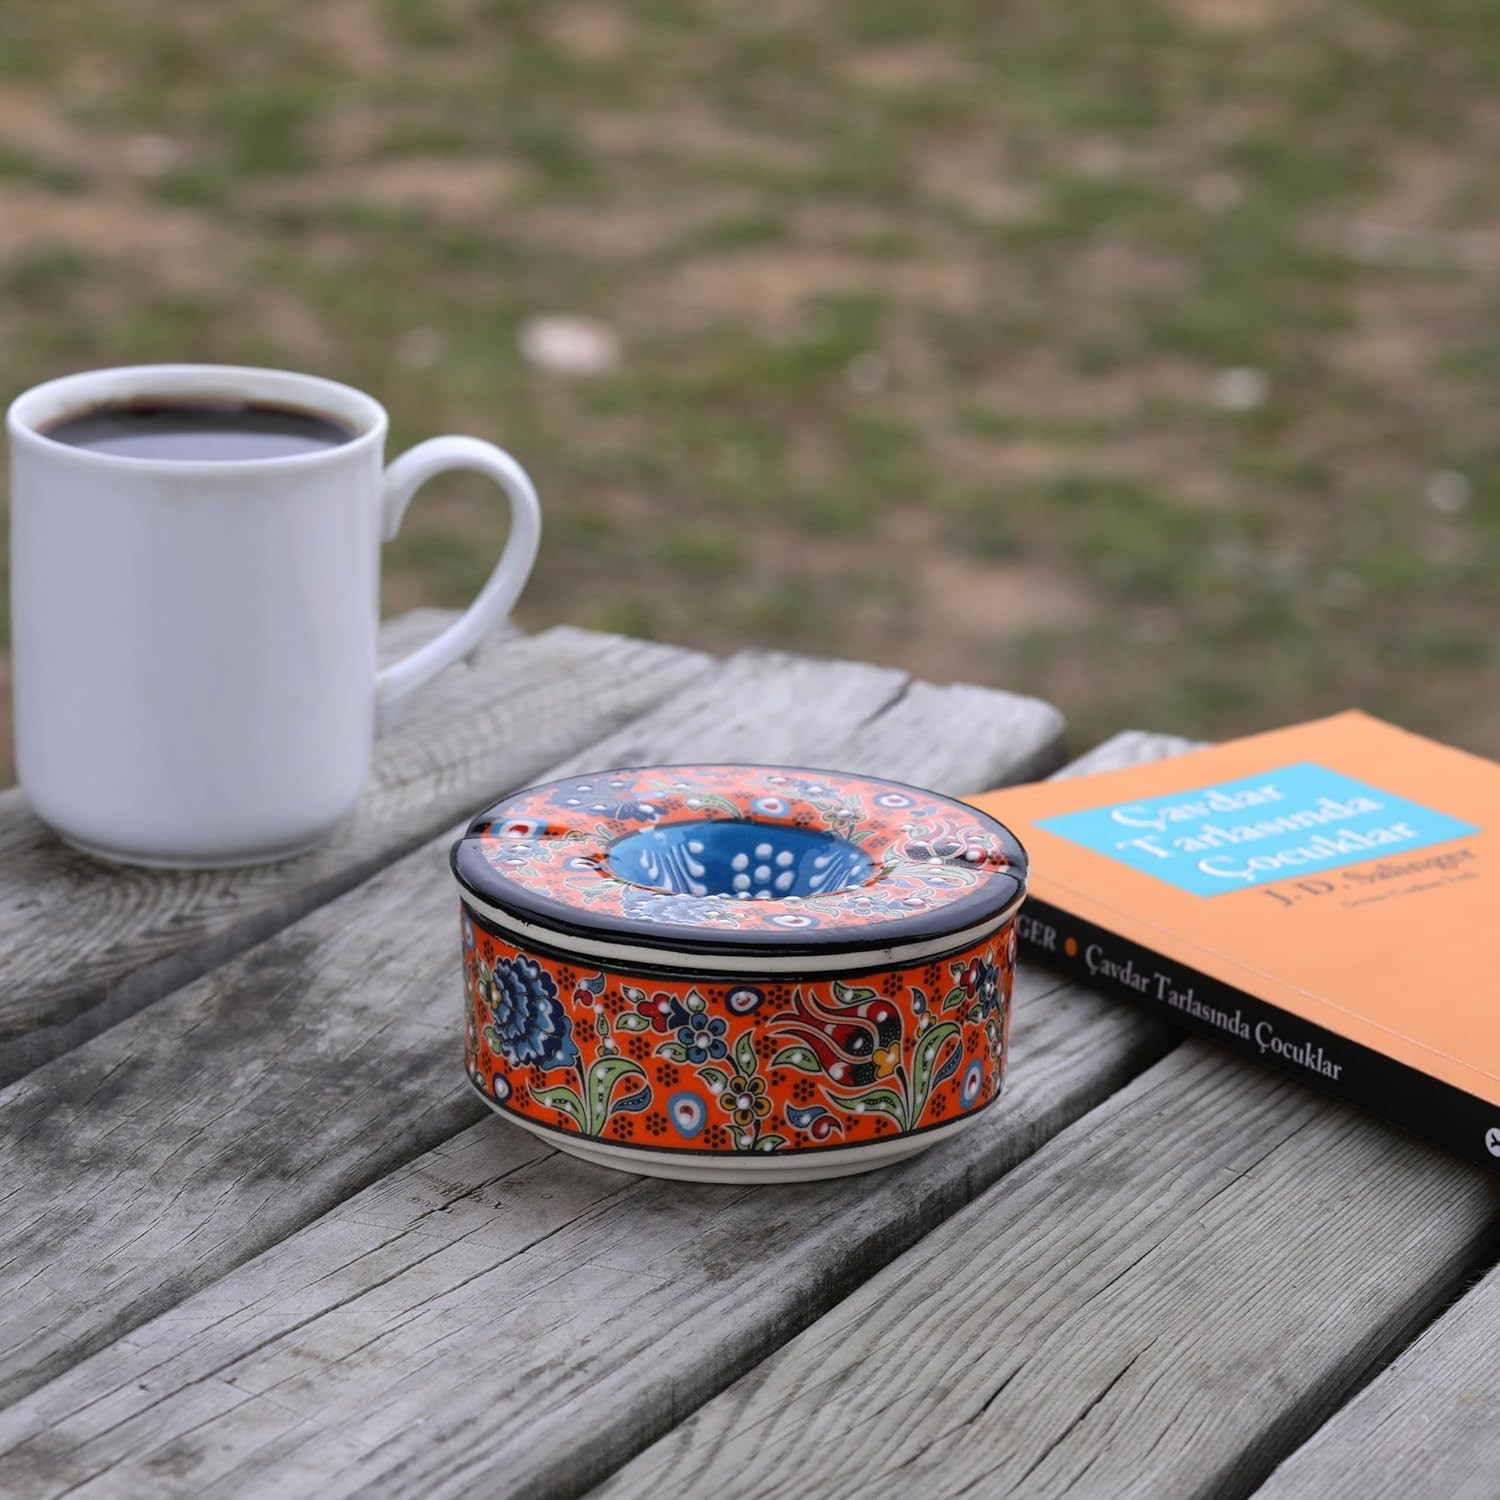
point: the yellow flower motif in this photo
(886, 1059)
(745, 1099)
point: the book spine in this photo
(1185, 996)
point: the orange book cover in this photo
(1325, 897)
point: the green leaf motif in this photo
(601, 1024)
(955, 999)
(849, 994)
(714, 1079)
(879, 1100)
(565, 1100)
(796, 1056)
(633, 995)
(604, 1075)
(770, 1143)
(744, 1054)
(931, 1048)
(632, 1021)
(674, 1050)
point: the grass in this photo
(31, 170)
(924, 310)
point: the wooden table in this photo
(260, 1238)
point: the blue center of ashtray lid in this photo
(751, 861)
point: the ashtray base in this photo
(741, 1170)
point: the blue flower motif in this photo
(703, 1036)
(981, 982)
(610, 797)
(528, 1025)
(874, 903)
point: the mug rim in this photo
(55, 399)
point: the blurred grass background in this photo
(1143, 356)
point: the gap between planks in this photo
(1426, 1428)
(169, 1150)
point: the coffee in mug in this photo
(195, 584)
(198, 430)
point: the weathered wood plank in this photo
(970, 735)
(490, 1316)
(1428, 1428)
(183, 1141)
(82, 945)
(454, 1320)
(1160, 1302)
(1128, 748)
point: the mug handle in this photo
(403, 479)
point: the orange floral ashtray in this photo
(737, 973)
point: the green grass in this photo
(982, 523)
(32, 170)
(738, 231)
(1046, 228)
(421, 23)
(266, 130)
(46, 271)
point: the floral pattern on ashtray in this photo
(916, 852)
(722, 1065)
(526, 1022)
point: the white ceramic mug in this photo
(194, 641)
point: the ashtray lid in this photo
(688, 861)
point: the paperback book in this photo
(1325, 898)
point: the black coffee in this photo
(197, 430)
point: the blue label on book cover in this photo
(1282, 824)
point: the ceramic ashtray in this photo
(731, 973)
